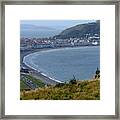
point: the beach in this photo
(38, 75)
(43, 69)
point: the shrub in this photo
(72, 82)
(59, 85)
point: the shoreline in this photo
(39, 74)
(27, 52)
(35, 73)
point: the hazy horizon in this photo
(62, 24)
(47, 28)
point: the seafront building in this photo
(35, 43)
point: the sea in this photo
(64, 64)
(38, 33)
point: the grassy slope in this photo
(36, 81)
(82, 90)
(24, 86)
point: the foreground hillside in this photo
(74, 90)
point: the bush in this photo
(72, 82)
(59, 85)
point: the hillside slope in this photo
(75, 90)
(80, 30)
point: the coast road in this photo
(45, 79)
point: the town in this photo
(52, 42)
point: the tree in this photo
(97, 75)
(73, 81)
(97, 71)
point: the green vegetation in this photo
(80, 30)
(23, 86)
(36, 81)
(31, 82)
(74, 90)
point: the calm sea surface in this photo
(62, 64)
(38, 33)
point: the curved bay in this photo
(63, 63)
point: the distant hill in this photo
(32, 27)
(36, 31)
(80, 30)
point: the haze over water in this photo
(46, 28)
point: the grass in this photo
(24, 86)
(77, 90)
(36, 81)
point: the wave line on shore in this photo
(41, 73)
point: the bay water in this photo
(66, 63)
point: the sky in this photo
(55, 23)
